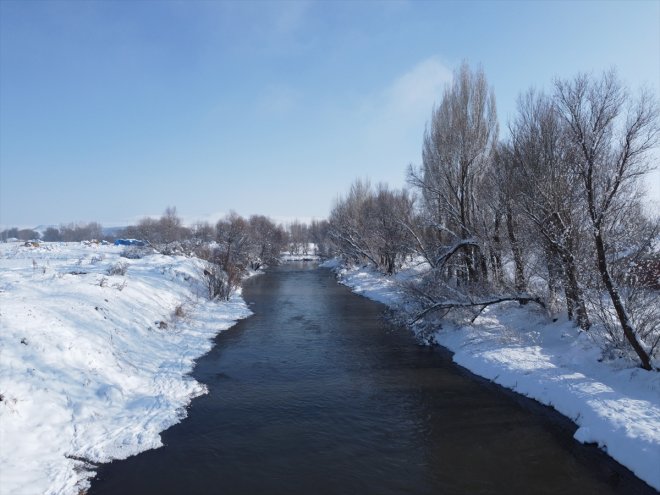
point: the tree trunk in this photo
(554, 275)
(496, 254)
(574, 297)
(621, 312)
(520, 283)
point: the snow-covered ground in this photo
(94, 366)
(287, 256)
(615, 405)
(311, 254)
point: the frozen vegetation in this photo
(95, 355)
(614, 403)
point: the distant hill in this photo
(42, 228)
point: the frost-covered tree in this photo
(232, 234)
(539, 184)
(370, 225)
(267, 240)
(457, 152)
(202, 233)
(170, 226)
(299, 238)
(319, 232)
(611, 136)
(508, 216)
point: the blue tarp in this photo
(129, 242)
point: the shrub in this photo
(118, 268)
(135, 252)
(219, 283)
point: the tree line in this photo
(230, 247)
(553, 213)
(72, 232)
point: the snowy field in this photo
(94, 365)
(614, 404)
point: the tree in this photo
(348, 226)
(611, 136)
(298, 238)
(457, 151)
(232, 234)
(11, 233)
(170, 226)
(319, 231)
(202, 233)
(28, 235)
(506, 194)
(539, 184)
(267, 241)
(148, 229)
(81, 231)
(52, 234)
(372, 226)
(390, 212)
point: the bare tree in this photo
(457, 150)
(373, 226)
(348, 225)
(147, 229)
(507, 193)
(202, 233)
(537, 167)
(319, 231)
(52, 234)
(299, 238)
(74, 232)
(232, 234)
(267, 241)
(611, 135)
(170, 226)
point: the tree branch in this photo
(523, 299)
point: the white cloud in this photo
(414, 92)
(405, 104)
(394, 120)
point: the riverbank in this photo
(95, 352)
(614, 405)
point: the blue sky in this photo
(110, 111)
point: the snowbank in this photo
(94, 366)
(614, 405)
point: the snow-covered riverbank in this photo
(614, 405)
(93, 365)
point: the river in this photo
(318, 394)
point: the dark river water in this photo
(317, 394)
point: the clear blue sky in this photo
(110, 111)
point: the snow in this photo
(309, 254)
(286, 257)
(614, 404)
(94, 366)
